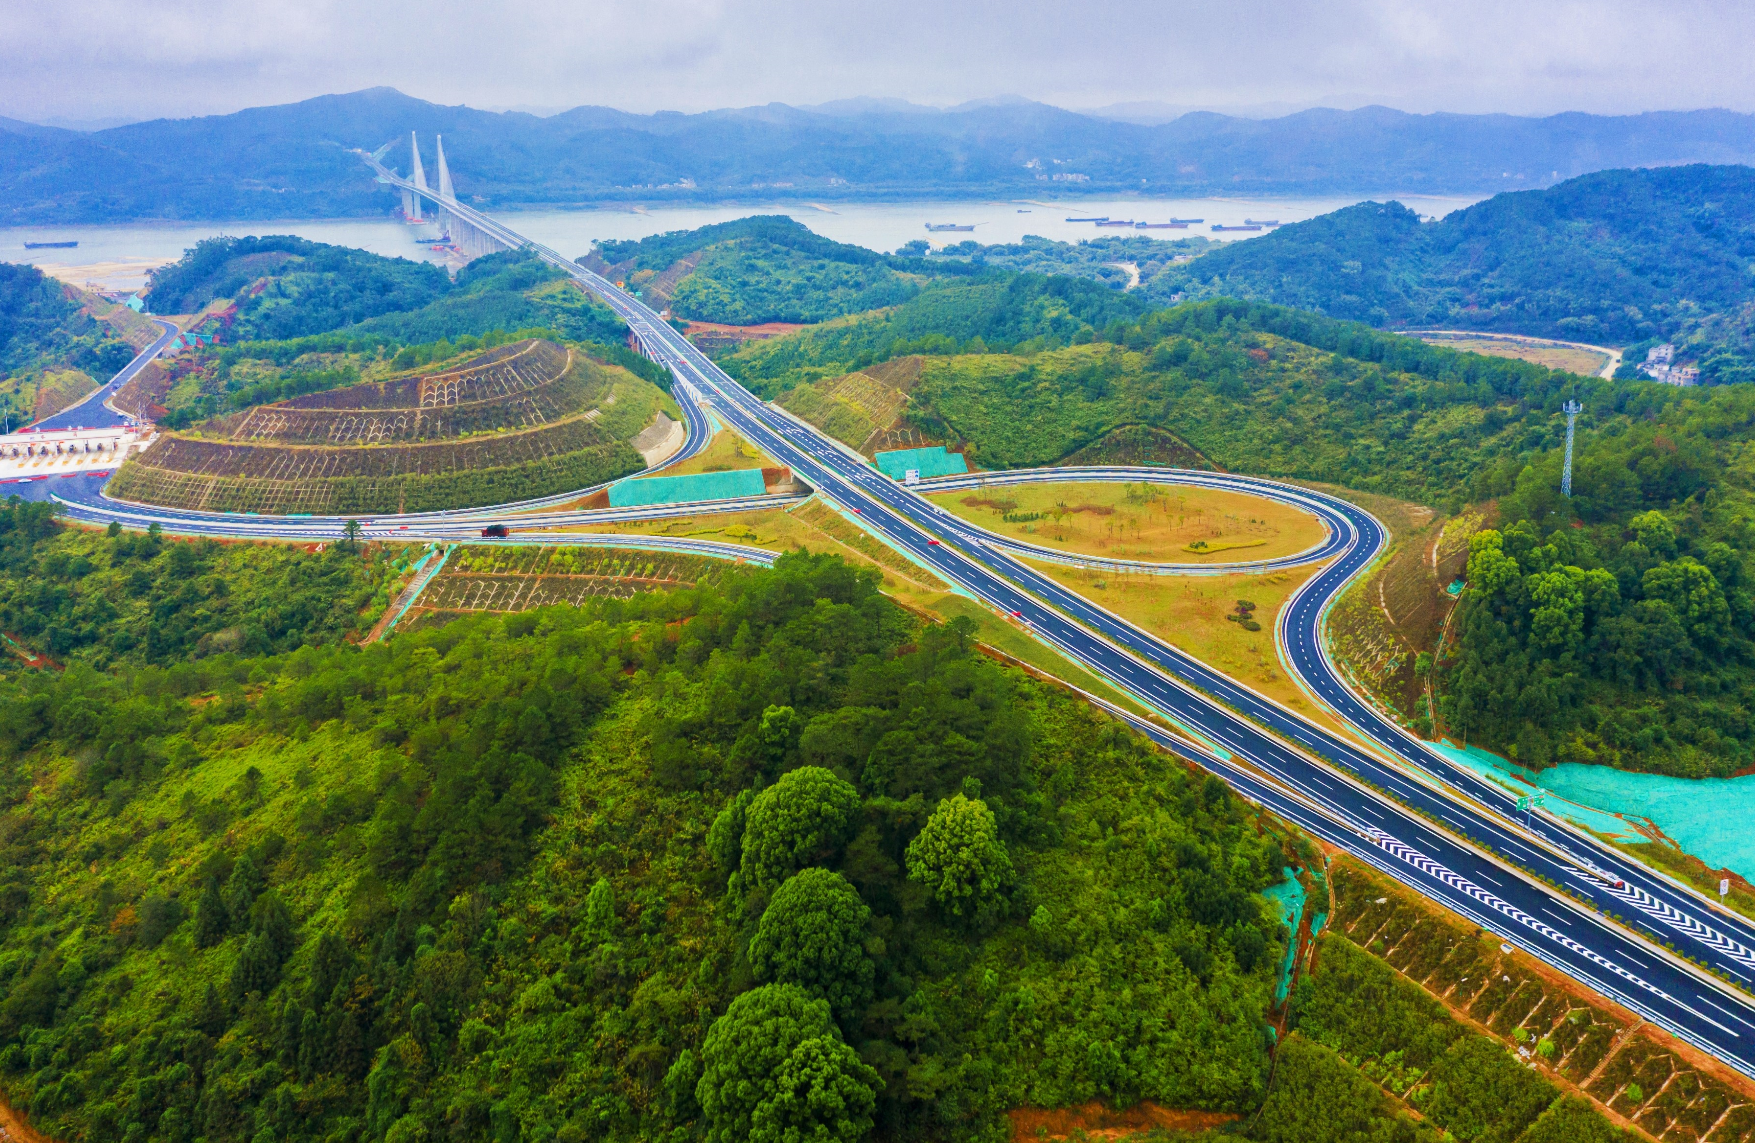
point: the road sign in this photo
(1724, 886)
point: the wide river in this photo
(118, 256)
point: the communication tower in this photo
(1573, 408)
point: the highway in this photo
(95, 410)
(1375, 812)
(1671, 912)
(1477, 862)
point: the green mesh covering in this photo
(934, 461)
(635, 493)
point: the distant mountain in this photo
(294, 160)
(1615, 257)
(34, 130)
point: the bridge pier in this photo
(470, 240)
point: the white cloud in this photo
(149, 57)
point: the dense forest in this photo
(1613, 258)
(135, 599)
(1021, 313)
(763, 268)
(1102, 259)
(771, 859)
(637, 869)
(771, 268)
(289, 289)
(286, 286)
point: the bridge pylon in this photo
(446, 191)
(410, 200)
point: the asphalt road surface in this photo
(95, 411)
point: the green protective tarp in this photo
(934, 461)
(687, 489)
(1288, 900)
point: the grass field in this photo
(1189, 613)
(726, 452)
(819, 529)
(1140, 521)
(1534, 350)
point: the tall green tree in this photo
(812, 934)
(799, 820)
(775, 1070)
(959, 857)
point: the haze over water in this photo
(878, 226)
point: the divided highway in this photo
(1374, 810)
(1430, 825)
(1613, 881)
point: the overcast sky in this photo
(88, 59)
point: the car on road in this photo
(495, 532)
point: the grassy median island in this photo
(726, 452)
(1139, 521)
(526, 419)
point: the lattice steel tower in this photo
(1573, 408)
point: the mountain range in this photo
(1620, 257)
(295, 160)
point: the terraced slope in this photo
(527, 419)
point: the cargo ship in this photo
(1262, 221)
(943, 227)
(1127, 222)
(1216, 226)
(1196, 221)
(1102, 218)
(50, 245)
(1160, 226)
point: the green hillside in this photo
(1614, 258)
(1021, 312)
(127, 600)
(771, 268)
(51, 351)
(523, 905)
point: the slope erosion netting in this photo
(404, 492)
(525, 420)
(214, 458)
(498, 373)
(506, 579)
(539, 384)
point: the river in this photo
(118, 256)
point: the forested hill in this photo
(295, 161)
(284, 287)
(51, 350)
(637, 870)
(764, 268)
(1612, 258)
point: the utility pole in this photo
(1573, 408)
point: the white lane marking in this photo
(691, 354)
(1639, 899)
(1438, 872)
